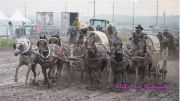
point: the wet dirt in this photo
(75, 90)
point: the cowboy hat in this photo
(139, 26)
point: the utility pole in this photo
(25, 9)
(133, 15)
(65, 6)
(94, 8)
(113, 13)
(94, 3)
(164, 20)
(157, 13)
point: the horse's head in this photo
(55, 40)
(110, 30)
(160, 36)
(81, 35)
(141, 48)
(117, 51)
(21, 46)
(83, 32)
(42, 45)
(91, 47)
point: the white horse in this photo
(28, 55)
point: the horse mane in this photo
(160, 37)
(25, 41)
(91, 28)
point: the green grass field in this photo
(64, 39)
(6, 42)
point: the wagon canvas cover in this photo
(101, 38)
(153, 41)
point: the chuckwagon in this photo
(160, 66)
(150, 64)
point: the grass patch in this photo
(6, 42)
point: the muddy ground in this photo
(75, 90)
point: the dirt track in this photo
(75, 90)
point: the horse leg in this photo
(28, 71)
(125, 76)
(16, 73)
(136, 77)
(109, 71)
(50, 76)
(53, 73)
(115, 78)
(142, 74)
(90, 78)
(50, 73)
(34, 71)
(45, 76)
(59, 70)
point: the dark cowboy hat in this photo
(139, 26)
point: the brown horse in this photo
(120, 62)
(95, 60)
(50, 57)
(83, 32)
(55, 40)
(141, 61)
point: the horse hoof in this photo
(15, 80)
(88, 88)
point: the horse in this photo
(28, 56)
(83, 33)
(51, 56)
(73, 35)
(173, 46)
(95, 60)
(141, 60)
(164, 42)
(55, 40)
(120, 61)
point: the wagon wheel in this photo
(163, 71)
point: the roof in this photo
(2, 16)
(18, 16)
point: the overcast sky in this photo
(85, 7)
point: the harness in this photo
(49, 57)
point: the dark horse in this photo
(95, 60)
(120, 62)
(173, 47)
(83, 32)
(50, 57)
(164, 43)
(141, 61)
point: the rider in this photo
(166, 33)
(78, 26)
(137, 37)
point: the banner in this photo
(44, 18)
